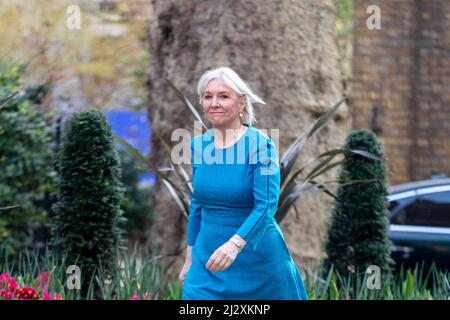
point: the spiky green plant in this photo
(407, 284)
(88, 221)
(174, 290)
(136, 273)
(142, 274)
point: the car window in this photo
(398, 209)
(432, 209)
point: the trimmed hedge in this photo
(88, 220)
(357, 236)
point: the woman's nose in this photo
(214, 102)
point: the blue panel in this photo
(133, 126)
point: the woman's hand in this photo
(223, 257)
(184, 270)
(186, 266)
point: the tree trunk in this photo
(286, 51)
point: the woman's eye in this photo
(224, 97)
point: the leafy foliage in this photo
(26, 172)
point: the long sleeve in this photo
(195, 208)
(266, 191)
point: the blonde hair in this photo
(232, 79)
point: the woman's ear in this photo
(243, 103)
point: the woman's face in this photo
(221, 104)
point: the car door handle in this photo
(404, 251)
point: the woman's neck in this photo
(225, 135)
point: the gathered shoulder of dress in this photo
(236, 191)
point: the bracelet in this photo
(239, 245)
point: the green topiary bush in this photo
(88, 220)
(357, 235)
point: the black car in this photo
(420, 223)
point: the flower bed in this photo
(12, 289)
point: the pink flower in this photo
(12, 285)
(9, 290)
(7, 286)
(6, 295)
(134, 297)
(26, 294)
(4, 278)
(43, 280)
(46, 295)
(57, 296)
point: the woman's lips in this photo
(216, 113)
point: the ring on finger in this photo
(223, 262)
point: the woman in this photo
(235, 248)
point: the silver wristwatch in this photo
(237, 243)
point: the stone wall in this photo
(401, 84)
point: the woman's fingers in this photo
(210, 261)
(183, 272)
(213, 261)
(224, 264)
(223, 257)
(218, 262)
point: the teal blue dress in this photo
(236, 191)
